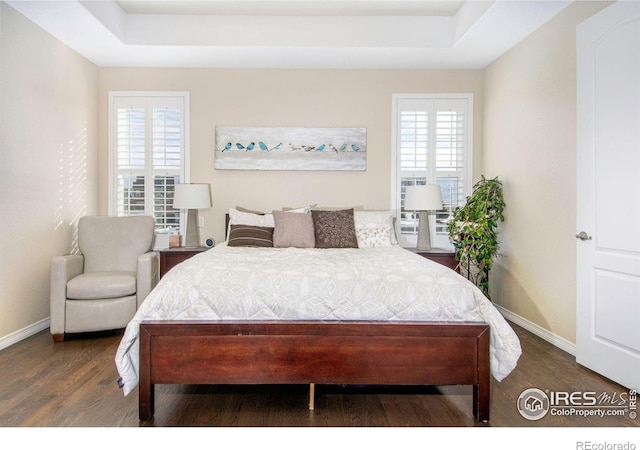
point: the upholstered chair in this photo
(102, 287)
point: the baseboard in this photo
(547, 335)
(14, 338)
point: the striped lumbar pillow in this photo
(250, 236)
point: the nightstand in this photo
(170, 257)
(439, 255)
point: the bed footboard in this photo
(377, 353)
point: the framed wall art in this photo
(281, 148)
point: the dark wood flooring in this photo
(73, 384)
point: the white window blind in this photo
(149, 148)
(432, 135)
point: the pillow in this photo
(293, 229)
(334, 229)
(304, 209)
(337, 208)
(374, 237)
(376, 219)
(241, 209)
(243, 218)
(250, 236)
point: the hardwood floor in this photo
(73, 384)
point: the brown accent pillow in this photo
(334, 229)
(250, 236)
(293, 229)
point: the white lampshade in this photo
(426, 197)
(191, 196)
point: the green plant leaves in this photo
(473, 231)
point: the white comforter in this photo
(378, 283)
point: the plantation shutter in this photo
(432, 146)
(150, 137)
(130, 148)
(450, 157)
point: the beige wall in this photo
(314, 98)
(530, 143)
(48, 112)
(53, 152)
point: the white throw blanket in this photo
(377, 283)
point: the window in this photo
(148, 154)
(432, 144)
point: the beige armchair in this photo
(102, 287)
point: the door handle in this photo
(583, 236)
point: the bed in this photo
(375, 314)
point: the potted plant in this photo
(473, 231)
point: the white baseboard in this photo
(547, 335)
(14, 338)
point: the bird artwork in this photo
(290, 148)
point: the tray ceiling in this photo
(298, 34)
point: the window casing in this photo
(148, 154)
(432, 136)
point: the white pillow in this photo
(303, 209)
(374, 237)
(375, 219)
(244, 218)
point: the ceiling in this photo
(293, 34)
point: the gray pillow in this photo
(293, 229)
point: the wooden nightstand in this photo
(439, 255)
(170, 257)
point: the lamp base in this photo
(424, 234)
(192, 238)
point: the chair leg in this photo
(58, 337)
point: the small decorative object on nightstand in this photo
(170, 257)
(440, 255)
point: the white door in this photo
(608, 160)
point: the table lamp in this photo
(423, 198)
(192, 197)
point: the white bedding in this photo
(377, 283)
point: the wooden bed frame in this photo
(373, 353)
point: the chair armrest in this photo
(63, 268)
(147, 276)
